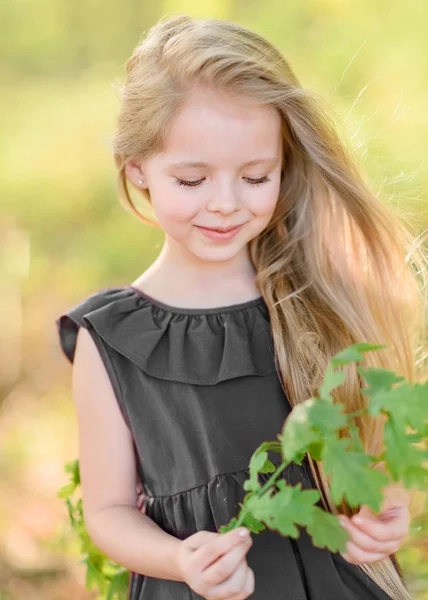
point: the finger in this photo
(199, 539)
(366, 542)
(248, 587)
(234, 585)
(356, 555)
(227, 564)
(382, 529)
(223, 543)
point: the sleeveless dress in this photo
(199, 391)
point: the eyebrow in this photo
(270, 160)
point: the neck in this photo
(176, 271)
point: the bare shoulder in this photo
(106, 453)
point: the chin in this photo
(217, 254)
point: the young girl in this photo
(276, 256)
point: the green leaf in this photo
(252, 524)
(274, 446)
(307, 425)
(378, 379)
(290, 505)
(67, 490)
(298, 434)
(406, 405)
(356, 441)
(353, 353)
(248, 521)
(332, 380)
(73, 469)
(119, 585)
(94, 577)
(233, 524)
(351, 475)
(315, 450)
(259, 463)
(417, 416)
(327, 418)
(326, 531)
(402, 458)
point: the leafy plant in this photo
(311, 427)
(110, 579)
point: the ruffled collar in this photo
(197, 346)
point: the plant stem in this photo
(279, 470)
(261, 491)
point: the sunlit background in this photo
(64, 234)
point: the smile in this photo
(216, 234)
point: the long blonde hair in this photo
(333, 265)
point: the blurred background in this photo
(64, 234)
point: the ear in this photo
(134, 173)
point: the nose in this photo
(225, 199)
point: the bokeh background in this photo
(64, 234)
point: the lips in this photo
(220, 229)
(220, 235)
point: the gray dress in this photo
(199, 390)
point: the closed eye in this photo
(197, 183)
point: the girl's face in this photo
(221, 167)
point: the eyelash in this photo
(196, 183)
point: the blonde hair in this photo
(333, 265)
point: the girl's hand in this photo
(376, 536)
(214, 564)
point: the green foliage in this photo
(108, 578)
(314, 427)
(311, 427)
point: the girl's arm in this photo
(108, 474)
(134, 541)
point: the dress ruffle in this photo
(209, 506)
(201, 347)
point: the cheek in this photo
(263, 207)
(175, 210)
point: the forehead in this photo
(211, 126)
